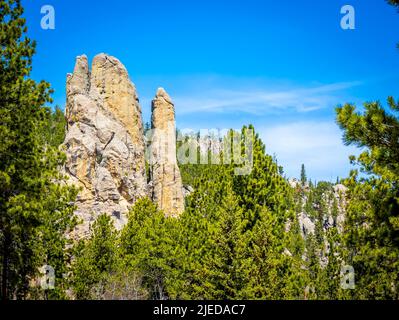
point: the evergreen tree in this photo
(35, 210)
(218, 234)
(372, 221)
(205, 239)
(148, 246)
(265, 269)
(228, 239)
(313, 268)
(263, 187)
(95, 259)
(329, 284)
(294, 273)
(303, 175)
(267, 203)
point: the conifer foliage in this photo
(372, 228)
(35, 210)
(252, 236)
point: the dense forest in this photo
(240, 236)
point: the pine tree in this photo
(217, 234)
(295, 273)
(303, 175)
(372, 220)
(263, 187)
(263, 266)
(149, 247)
(95, 259)
(206, 229)
(267, 203)
(35, 209)
(329, 288)
(313, 268)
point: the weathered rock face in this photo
(105, 146)
(167, 189)
(112, 88)
(104, 142)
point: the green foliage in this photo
(147, 244)
(54, 133)
(231, 234)
(228, 243)
(322, 257)
(35, 210)
(190, 172)
(239, 237)
(95, 258)
(264, 187)
(101, 268)
(263, 266)
(323, 265)
(304, 178)
(372, 227)
(209, 233)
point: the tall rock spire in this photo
(165, 174)
(104, 142)
(105, 145)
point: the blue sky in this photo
(280, 65)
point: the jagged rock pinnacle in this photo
(167, 189)
(104, 142)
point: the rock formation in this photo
(105, 145)
(104, 142)
(166, 183)
(336, 195)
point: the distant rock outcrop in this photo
(104, 141)
(167, 188)
(334, 199)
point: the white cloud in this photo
(226, 102)
(316, 144)
(260, 101)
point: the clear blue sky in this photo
(281, 65)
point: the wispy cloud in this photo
(281, 112)
(316, 144)
(258, 101)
